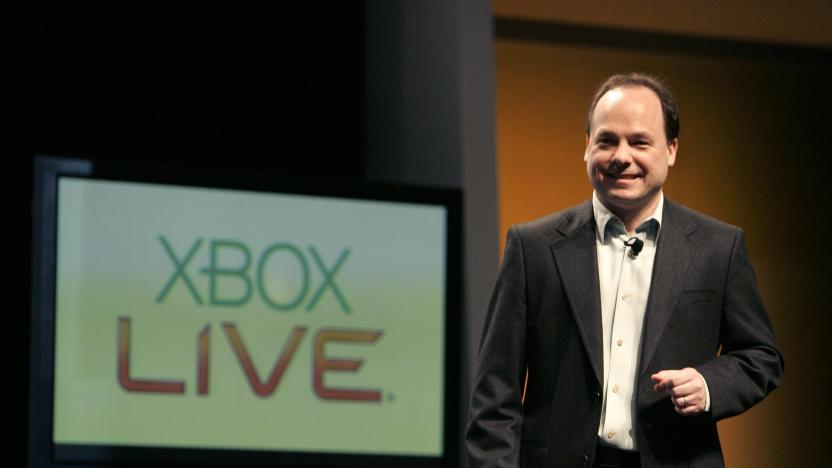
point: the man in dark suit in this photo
(621, 330)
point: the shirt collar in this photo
(603, 216)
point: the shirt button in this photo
(619, 342)
(626, 296)
(615, 388)
(610, 435)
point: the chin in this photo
(624, 200)
(624, 195)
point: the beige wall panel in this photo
(804, 22)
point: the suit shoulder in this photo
(549, 225)
(706, 224)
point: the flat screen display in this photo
(214, 318)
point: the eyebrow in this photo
(637, 135)
(641, 135)
(604, 134)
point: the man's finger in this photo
(688, 388)
(688, 410)
(667, 379)
(685, 401)
(663, 379)
(691, 408)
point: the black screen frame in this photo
(47, 172)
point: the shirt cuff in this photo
(707, 393)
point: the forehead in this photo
(631, 106)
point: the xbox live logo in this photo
(254, 275)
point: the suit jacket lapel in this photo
(577, 264)
(673, 255)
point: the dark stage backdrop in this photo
(276, 86)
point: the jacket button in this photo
(597, 396)
(585, 459)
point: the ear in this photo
(672, 148)
(586, 150)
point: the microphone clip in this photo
(635, 244)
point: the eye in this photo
(605, 142)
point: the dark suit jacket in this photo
(703, 311)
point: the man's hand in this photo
(686, 388)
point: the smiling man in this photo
(621, 330)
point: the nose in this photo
(621, 157)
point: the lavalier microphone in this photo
(635, 244)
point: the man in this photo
(621, 330)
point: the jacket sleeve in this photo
(749, 365)
(495, 414)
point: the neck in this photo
(633, 216)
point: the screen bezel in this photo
(47, 172)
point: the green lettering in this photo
(329, 276)
(261, 265)
(214, 271)
(179, 270)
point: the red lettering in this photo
(138, 385)
(323, 364)
(263, 388)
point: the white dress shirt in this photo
(624, 281)
(625, 284)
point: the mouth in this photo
(615, 176)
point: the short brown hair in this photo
(670, 110)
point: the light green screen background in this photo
(112, 264)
